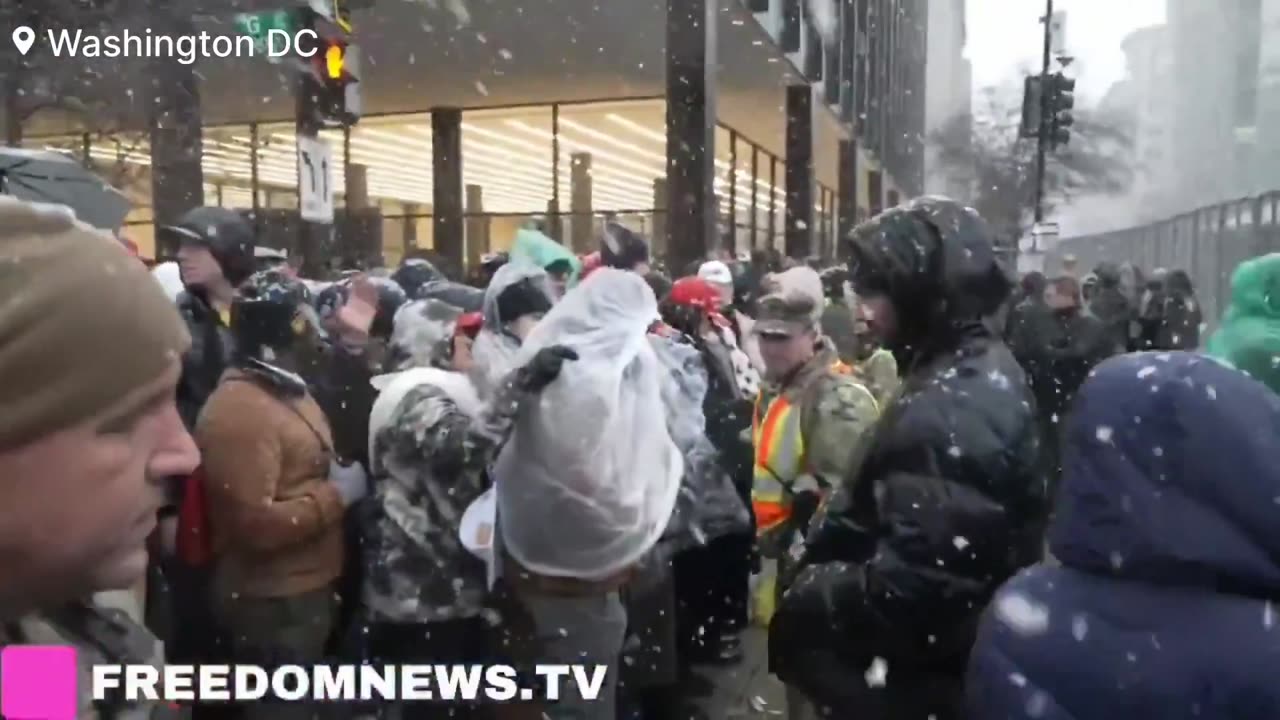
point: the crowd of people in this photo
(944, 494)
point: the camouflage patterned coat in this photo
(101, 635)
(835, 410)
(428, 459)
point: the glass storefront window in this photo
(626, 142)
(507, 154)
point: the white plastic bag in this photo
(587, 481)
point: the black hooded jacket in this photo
(212, 347)
(944, 500)
(1111, 307)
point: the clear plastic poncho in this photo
(587, 482)
(495, 348)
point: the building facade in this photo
(1149, 59)
(1216, 57)
(709, 124)
(949, 79)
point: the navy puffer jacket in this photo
(1168, 535)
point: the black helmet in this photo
(331, 298)
(415, 273)
(390, 298)
(935, 259)
(622, 247)
(463, 297)
(494, 260)
(833, 280)
(270, 314)
(226, 234)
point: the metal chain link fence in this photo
(1208, 243)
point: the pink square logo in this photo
(38, 682)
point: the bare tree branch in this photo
(986, 149)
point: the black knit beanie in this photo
(520, 299)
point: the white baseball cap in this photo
(716, 273)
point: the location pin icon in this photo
(23, 37)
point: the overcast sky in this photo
(1004, 37)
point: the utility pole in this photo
(1042, 137)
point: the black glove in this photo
(543, 368)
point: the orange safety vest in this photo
(779, 460)
(780, 457)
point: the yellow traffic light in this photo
(333, 61)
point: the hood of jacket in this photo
(421, 335)
(1108, 275)
(1163, 605)
(495, 349)
(1145, 494)
(1249, 336)
(935, 260)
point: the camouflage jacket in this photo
(835, 410)
(429, 464)
(879, 374)
(100, 635)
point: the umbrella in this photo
(463, 297)
(50, 177)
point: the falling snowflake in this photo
(480, 88)
(954, 451)
(1157, 451)
(1018, 679)
(876, 674)
(1213, 394)
(1037, 704)
(504, 53)
(1079, 627)
(1268, 615)
(960, 542)
(1146, 372)
(1103, 434)
(1022, 614)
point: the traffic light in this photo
(1059, 103)
(331, 72)
(1032, 104)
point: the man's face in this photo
(462, 359)
(1058, 300)
(880, 316)
(524, 325)
(81, 502)
(559, 284)
(198, 266)
(783, 353)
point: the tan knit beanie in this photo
(82, 322)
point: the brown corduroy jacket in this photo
(275, 517)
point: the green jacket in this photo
(1249, 336)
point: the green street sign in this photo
(260, 24)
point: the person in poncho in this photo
(431, 439)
